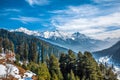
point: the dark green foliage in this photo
(84, 67)
(43, 72)
(33, 52)
(1, 44)
(54, 67)
(43, 59)
(26, 51)
(113, 52)
(27, 47)
(71, 76)
(7, 44)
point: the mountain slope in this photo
(113, 52)
(20, 38)
(75, 41)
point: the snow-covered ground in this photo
(117, 70)
(10, 69)
(2, 70)
(104, 59)
(107, 59)
(13, 70)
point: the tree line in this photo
(50, 64)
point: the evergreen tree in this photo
(11, 46)
(33, 52)
(43, 72)
(6, 44)
(20, 52)
(54, 76)
(1, 44)
(63, 65)
(54, 67)
(42, 53)
(71, 76)
(77, 78)
(26, 51)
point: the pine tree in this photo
(42, 53)
(19, 51)
(71, 76)
(71, 60)
(63, 65)
(91, 67)
(11, 46)
(54, 76)
(6, 44)
(33, 52)
(1, 44)
(25, 51)
(77, 78)
(54, 67)
(43, 72)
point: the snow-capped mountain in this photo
(26, 31)
(55, 34)
(63, 35)
(51, 34)
(75, 41)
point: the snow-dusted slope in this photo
(62, 35)
(25, 30)
(10, 69)
(75, 41)
(107, 61)
(56, 34)
(51, 34)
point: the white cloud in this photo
(111, 34)
(88, 19)
(13, 10)
(106, 1)
(37, 2)
(78, 11)
(7, 11)
(26, 19)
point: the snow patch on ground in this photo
(13, 70)
(107, 60)
(117, 70)
(28, 74)
(10, 69)
(2, 70)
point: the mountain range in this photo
(113, 53)
(19, 39)
(75, 41)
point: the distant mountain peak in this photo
(22, 29)
(66, 39)
(79, 35)
(26, 31)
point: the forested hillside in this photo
(113, 52)
(28, 47)
(49, 63)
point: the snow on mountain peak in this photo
(52, 34)
(55, 34)
(79, 35)
(26, 31)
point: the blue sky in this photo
(95, 18)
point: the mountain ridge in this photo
(75, 41)
(113, 52)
